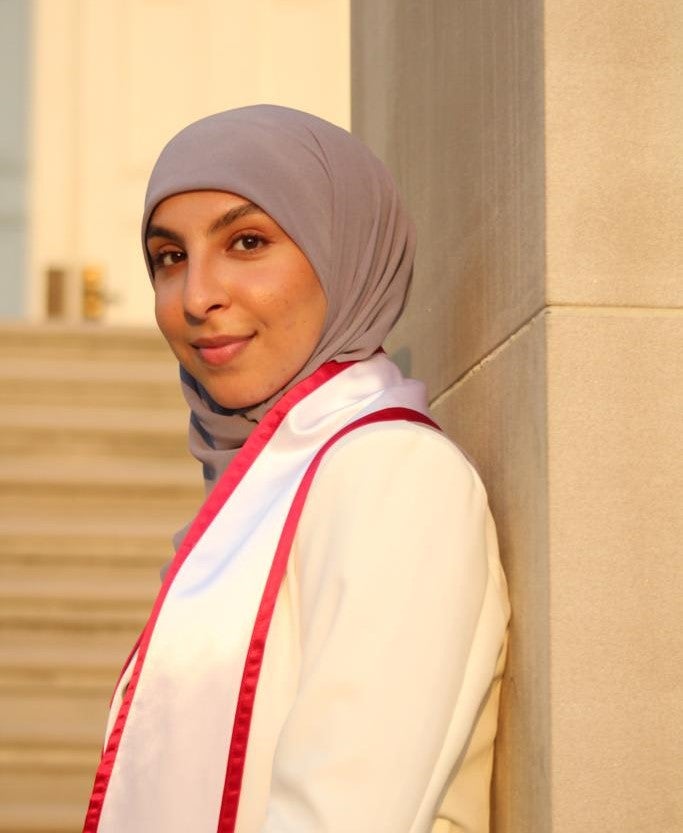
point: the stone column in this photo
(539, 146)
(15, 26)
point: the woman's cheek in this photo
(164, 309)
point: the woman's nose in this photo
(205, 289)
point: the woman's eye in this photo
(248, 242)
(162, 260)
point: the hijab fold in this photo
(336, 201)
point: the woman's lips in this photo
(221, 349)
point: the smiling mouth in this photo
(221, 349)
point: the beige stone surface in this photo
(450, 95)
(539, 147)
(614, 166)
(615, 408)
(586, 487)
(497, 414)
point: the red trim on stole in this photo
(124, 668)
(252, 666)
(227, 484)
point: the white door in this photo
(113, 80)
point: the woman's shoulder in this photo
(399, 451)
(398, 504)
(395, 486)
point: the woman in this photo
(325, 651)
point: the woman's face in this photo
(235, 297)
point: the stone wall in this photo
(538, 146)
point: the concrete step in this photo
(83, 343)
(64, 658)
(106, 585)
(72, 596)
(79, 526)
(100, 471)
(45, 789)
(55, 689)
(94, 480)
(29, 432)
(42, 715)
(45, 701)
(49, 386)
(163, 370)
(52, 612)
(99, 491)
(110, 548)
(79, 510)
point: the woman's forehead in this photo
(203, 212)
(204, 202)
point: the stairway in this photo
(94, 480)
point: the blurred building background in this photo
(94, 474)
(538, 145)
(93, 89)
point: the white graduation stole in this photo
(174, 758)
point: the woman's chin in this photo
(236, 397)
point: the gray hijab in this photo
(336, 201)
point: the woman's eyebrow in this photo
(160, 231)
(225, 220)
(235, 214)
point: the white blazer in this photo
(376, 704)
